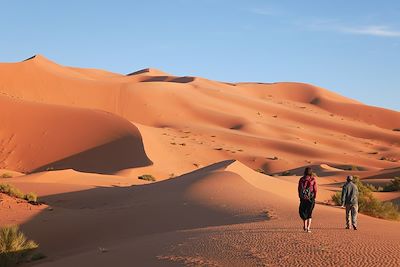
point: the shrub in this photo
(337, 198)
(12, 191)
(147, 177)
(396, 129)
(393, 186)
(31, 197)
(388, 159)
(374, 188)
(6, 175)
(369, 205)
(14, 246)
(286, 173)
(260, 171)
(353, 168)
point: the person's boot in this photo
(354, 227)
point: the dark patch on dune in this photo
(185, 79)
(232, 84)
(156, 79)
(236, 127)
(315, 101)
(29, 58)
(139, 72)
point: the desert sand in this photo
(226, 157)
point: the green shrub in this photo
(12, 191)
(388, 159)
(353, 168)
(14, 246)
(374, 188)
(31, 197)
(260, 171)
(369, 205)
(337, 198)
(147, 177)
(6, 175)
(393, 186)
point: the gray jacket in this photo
(349, 194)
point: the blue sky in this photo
(350, 47)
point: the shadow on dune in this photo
(320, 171)
(185, 79)
(100, 216)
(125, 152)
(388, 174)
(157, 79)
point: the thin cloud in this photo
(382, 31)
(263, 11)
(336, 26)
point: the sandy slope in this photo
(211, 217)
(95, 132)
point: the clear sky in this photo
(350, 47)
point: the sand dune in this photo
(283, 117)
(226, 158)
(206, 204)
(201, 198)
(39, 137)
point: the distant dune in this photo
(226, 158)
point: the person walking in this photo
(350, 202)
(307, 190)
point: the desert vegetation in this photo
(12, 191)
(260, 171)
(6, 175)
(368, 204)
(147, 177)
(394, 185)
(15, 248)
(388, 159)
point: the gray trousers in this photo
(353, 211)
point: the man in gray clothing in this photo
(350, 201)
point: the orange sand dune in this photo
(40, 136)
(201, 198)
(212, 216)
(226, 158)
(291, 121)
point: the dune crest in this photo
(149, 72)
